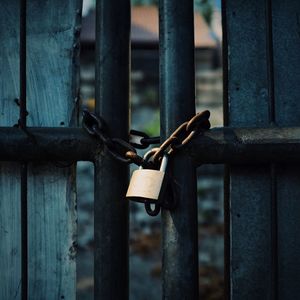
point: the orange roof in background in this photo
(146, 17)
(144, 28)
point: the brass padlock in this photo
(147, 185)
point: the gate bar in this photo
(218, 145)
(111, 177)
(177, 97)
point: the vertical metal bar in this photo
(227, 167)
(249, 190)
(22, 123)
(225, 63)
(286, 57)
(270, 61)
(273, 175)
(24, 231)
(274, 232)
(23, 63)
(177, 96)
(111, 177)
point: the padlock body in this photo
(146, 185)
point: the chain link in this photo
(183, 135)
(117, 148)
(126, 152)
(145, 141)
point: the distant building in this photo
(144, 44)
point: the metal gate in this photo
(260, 145)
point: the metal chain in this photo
(183, 135)
(145, 139)
(118, 148)
(126, 152)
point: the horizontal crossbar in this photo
(247, 146)
(218, 145)
(47, 144)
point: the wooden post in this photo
(10, 213)
(52, 65)
(52, 50)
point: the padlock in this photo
(147, 185)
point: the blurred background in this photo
(145, 231)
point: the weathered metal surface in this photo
(286, 43)
(179, 227)
(218, 145)
(250, 206)
(111, 176)
(52, 50)
(47, 144)
(120, 149)
(10, 213)
(246, 146)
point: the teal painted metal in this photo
(111, 177)
(177, 100)
(263, 86)
(286, 43)
(250, 252)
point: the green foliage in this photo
(153, 128)
(205, 7)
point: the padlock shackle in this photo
(148, 155)
(164, 162)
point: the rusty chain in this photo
(125, 152)
(118, 148)
(183, 135)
